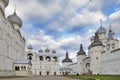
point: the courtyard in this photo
(41, 78)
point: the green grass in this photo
(4, 77)
(100, 77)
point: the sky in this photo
(64, 24)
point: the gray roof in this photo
(81, 51)
(67, 59)
(101, 30)
(47, 50)
(14, 19)
(30, 47)
(110, 35)
(96, 42)
(40, 50)
(53, 51)
(6, 2)
(21, 62)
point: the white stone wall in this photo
(74, 68)
(80, 64)
(96, 61)
(111, 63)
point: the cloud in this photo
(87, 17)
(114, 19)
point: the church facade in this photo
(44, 62)
(103, 56)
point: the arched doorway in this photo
(54, 73)
(48, 73)
(40, 73)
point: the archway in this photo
(54, 73)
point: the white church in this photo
(103, 54)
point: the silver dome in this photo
(6, 2)
(14, 19)
(101, 30)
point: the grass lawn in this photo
(100, 77)
(3, 77)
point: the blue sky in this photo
(64, 24)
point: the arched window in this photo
(25, 68)
(87, 65)
(48, 58)
(29, 56)
(22, 68)
(41, 58)
(54, 58)
(17, 68)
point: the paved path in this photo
(42, 78)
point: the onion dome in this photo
(14, 19)
(81, 51)
(96, 42)
(110, 34)
(30, 47)
(47, 50)
(54, 51)
(6, 2)
(40, 50)
(101, 30)
(67, 59)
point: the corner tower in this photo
(80, 56)
(95, 50)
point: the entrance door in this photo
(47, 73)
(40, 73)
(54, 73)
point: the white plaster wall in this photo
(111, 63)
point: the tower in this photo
(111, 43)
(80, 56)
(67, 61)
(101, 33)
(95, 50)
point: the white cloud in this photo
(115, 15)
(87, 17)
(114, 19)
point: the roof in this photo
(115, 50)
(67, 59)
(14, 19)
(81, 51)
(101, 30)
(96, 41)
(21, 62)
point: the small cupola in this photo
(101, 30)
(40, 51)
(47, 50)
(96, 41)
(54, 51)
(67, 59)
(30, 47)
(81, 51)
(110, 34)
